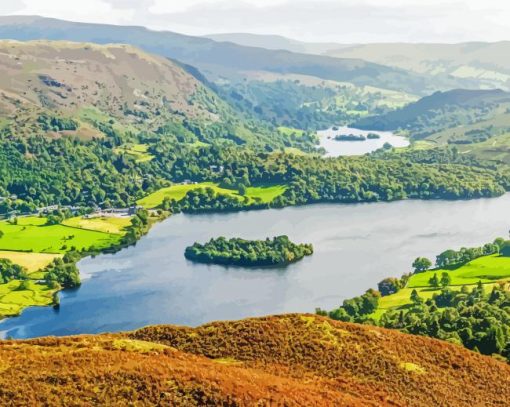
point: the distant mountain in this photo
(291, 360)
(222, 59)
(276, 42)
(441, 111)
(485, 64)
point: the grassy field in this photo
(33, 245)
(137, 151)
(266, 194)
(488, 269)
(289, 131)
(31, 261)
(13, 300)
(100, 224)
(177, 192)
(31, 235)
(294, 150)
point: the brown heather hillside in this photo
(288, 360)
(67, 79)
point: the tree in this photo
(415, 298)
(389, 286)
(445, 279)
(434, 281)
(447, 258)
(505, 248)
(421, 264)
(241, 189)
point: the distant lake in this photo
(355, 247)
(336, 148)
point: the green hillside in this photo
(445, 111)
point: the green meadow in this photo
(32, 235)
(103, 224)
(289, 131)
(13, 299)
(138, 151)
(265, 194)
(178, 192)
(488, 269)
(33, 245)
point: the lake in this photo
(355, 247)
(336, 148)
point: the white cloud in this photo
(87, 10)
(10, 6)
(345, 21)
(169, 7)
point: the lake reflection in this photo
(355, 247)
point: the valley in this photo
(153, 182)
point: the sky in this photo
(340, 21)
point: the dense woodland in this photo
(239, 252)
(67, 171)
(302, 105)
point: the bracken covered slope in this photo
(97, 86)
(283, 360)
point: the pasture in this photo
(13, 299)
(178, 192)
(32, 235)
(31, 261)
(138, 151)
(115, 225)
(486, 269)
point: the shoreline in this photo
(165, 215)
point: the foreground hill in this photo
(290, 360)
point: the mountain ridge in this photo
(217, 59)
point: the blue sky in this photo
(343, 21)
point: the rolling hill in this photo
(276, 42)
(281, 360)
(222, 60)
(65, 88)
(481, 64)
(446, 110)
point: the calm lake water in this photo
(355, 247)
(336, 148)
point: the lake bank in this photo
(356, 245)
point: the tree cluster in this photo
(474, 319)
(270, 252)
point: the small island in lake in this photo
(350, 137)
(373, 136)
(239, 252)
